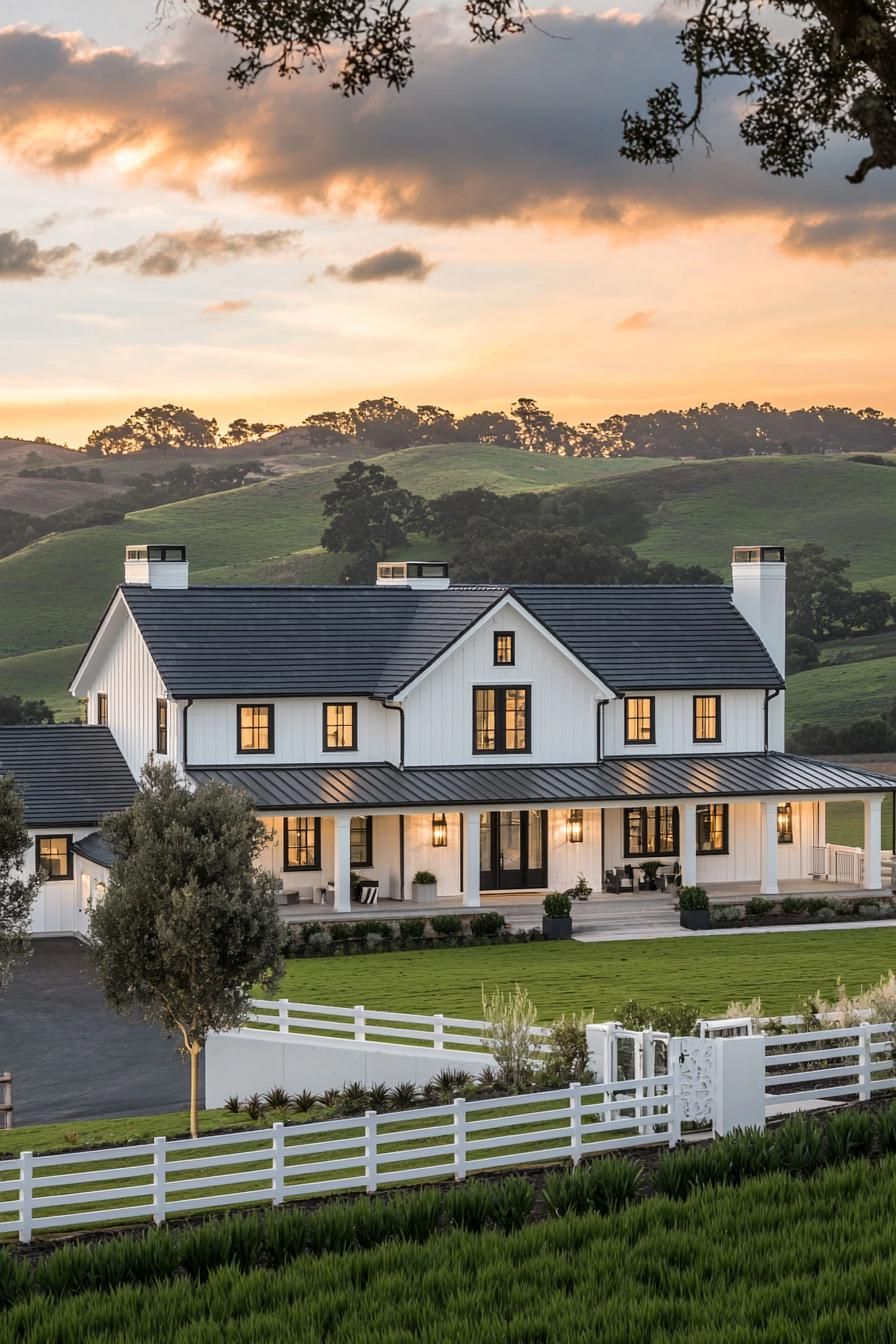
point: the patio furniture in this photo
(673, 879)
(620, 879)
(368, 893)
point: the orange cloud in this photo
(638, 321)
(225, 307)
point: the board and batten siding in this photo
(385, 866)
(298, 732)
(439, 710)
(58, 906)
(131, 681)
(743, 725)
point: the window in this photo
(785, 824)
(102, 708)
(505, 648)
(650, 831)
(162, 727)
(361, 842)
(301, 843)
(54, 857)
(254, 728)
(712, 828)
(639, 718)
(500, 718)
(340, 728)
(707, 718)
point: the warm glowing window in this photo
(712, 828)
(162, 727)
(505, 648)
(707, 718)
(54, 857)
(500, 718)
(340, 727)
(785, 824)
(102, 708)
(650, 831)
(301, 842)
(255, 727)
(639, 718)
(361, 842)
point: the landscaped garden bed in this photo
(784, 910)
(345, 938)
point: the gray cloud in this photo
(172, 253)
(225, 307)
(396, 263)
(844, 237)
(23, 259)
(638, 321)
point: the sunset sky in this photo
(165, 236)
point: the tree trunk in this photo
(195, 1052)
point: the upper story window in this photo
(505, 648)
(53, 857)
(707, 718)
(102, 708)
(254, 728)
(640, 718)
(301, 843)
(361, 842)
(340, 727)
(501, 718)
(162, 727)
(785, 824)
(712, 828)
(649, 831)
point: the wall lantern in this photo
(439, 830)
(785, 824)
(575, 826)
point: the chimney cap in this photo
(412, 574)
(164, 553)
(757, 555)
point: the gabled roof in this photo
(326, 640)
(70, 775)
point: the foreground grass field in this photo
(773, 1261)
(570, 977)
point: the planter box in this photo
(426, 893)
(554, 929)
(693, 919)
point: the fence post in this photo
(278, 1164)
(26, 1194)
(360, 1022)
(865, 1059)
(575, 1122)
(673, 1091)
(283, 1014)
(370, 1153)
(460, 1139)
(438, 1031)
(159, 1175)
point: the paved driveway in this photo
(70, 1055)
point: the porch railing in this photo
(839, 863)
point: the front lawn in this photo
(568, 977)
(77, 1134)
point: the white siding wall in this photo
(298, 733)
(385, 865)
(565, 859)
(419, 853)
(56, 909)
(439, 712)
(743, 727)
(129, 678)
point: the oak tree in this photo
(17, 892)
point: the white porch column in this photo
(342, 862)
(872, 880)
(769, 812)
(689, 845)
(822, 823)
(471, 855)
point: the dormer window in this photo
(640, 719)
(254, 728)
(340, 727)
(505, 648)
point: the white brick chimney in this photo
(159, 566)
(759, 580)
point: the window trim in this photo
(343, 704)
(500, 748)
(102, 709)
(254, 751)
(301, 867)
(368, 842)
(69, 873)
(726, 812)
(161, 727)
(718, 716)
(504, 662)
(658, 854)
(641, 741)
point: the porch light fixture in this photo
(785, 824)
(575, 826)
(439, 830)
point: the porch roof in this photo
(320, 788)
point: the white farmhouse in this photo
(502, 737)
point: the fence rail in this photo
(169, 1177)
(842, 1061)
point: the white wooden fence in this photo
(169, 1177)
(810, 1066)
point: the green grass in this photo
(845, 823)
(569, 977)
(43, 676)
(859, 649)
(839, 693)
(105, 1133)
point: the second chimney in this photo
(159, 566)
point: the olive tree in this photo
(188, 924)
(17, 893)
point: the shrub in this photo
(254, 1106)
(277, 1099)
(486, 925)
(284, 1237)
(411, 930)
(728, 914)
(308, 930)
(319, 942)
(379, 1096)
(353, 1100)
(849, 1134)
(886, 1129)
(799, 1146)
(469, 1206)
(447, 926)
(510, 1017)
(794, 905)
(565, 1192)
(693, 898)
(566, 1060)
(331, 1228)
(612, 1182)
(512, 1203)
(15, 1280)
(747, 1153)
(374, 941)
(232, 1104)
(360, 929)
(758, 907)
(424, 878)
(825, 915)
(868, 910)
(557, 905)
(340, 933)
(674, 1176)
(303, 1101)
(404, 1095)
(678, 1019)
(416, 1216)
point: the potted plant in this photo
(556, 922)
(650, 868)
(582, 889)
(693, 908)
(424, 888)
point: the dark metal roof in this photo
(321, 788)
(95, 848)
(373, 641)
(70, 775)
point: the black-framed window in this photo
(650, 832)
(361, 842)
(254, 728)
(53, 857)
(162, 727)
(707, 718)
(501, 719)
(505, 648)
(640, 718)
(102, 708)
(341, 727)
(301, 844)
(785, 824)
(712, 828)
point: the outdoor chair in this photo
(673, 879)
(619, 880)
(368, 893)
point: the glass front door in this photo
(513, 850)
